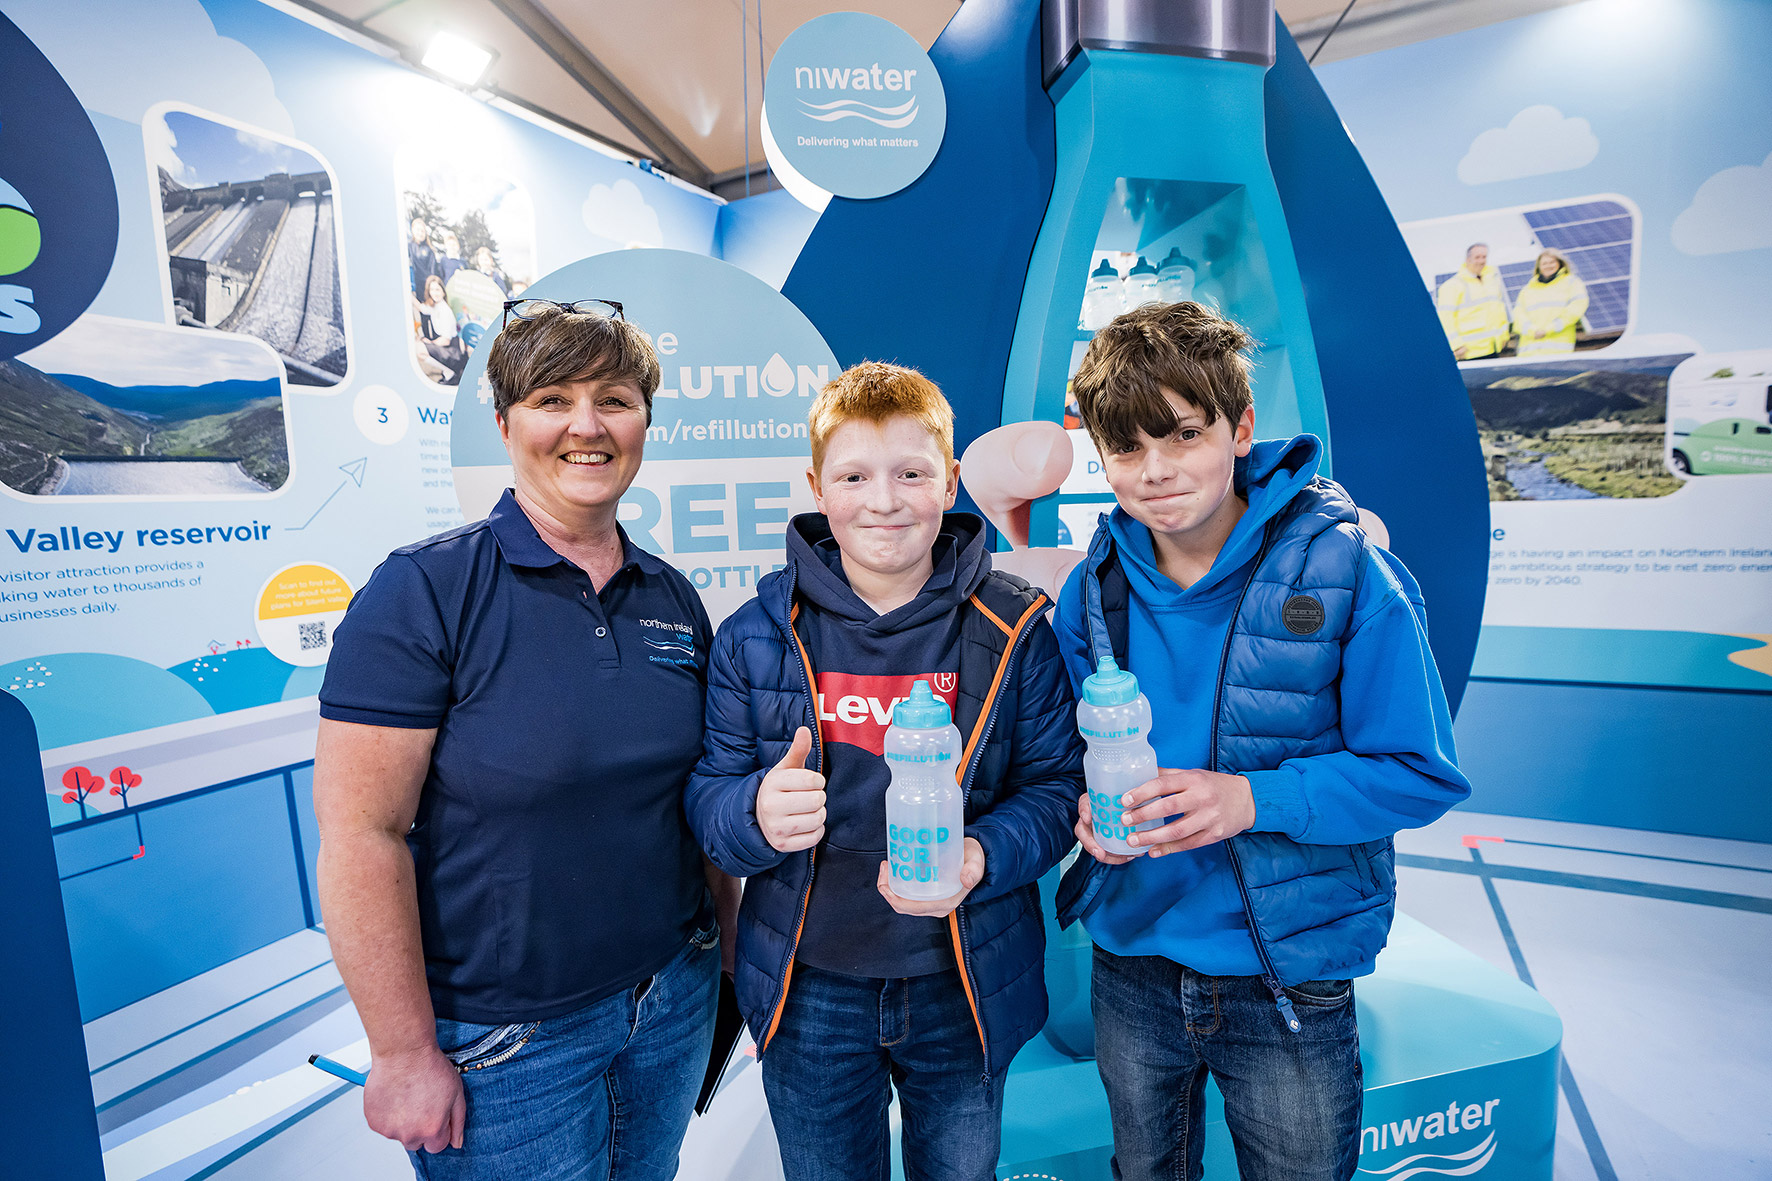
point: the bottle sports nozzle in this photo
(1109, 685)
(922, 710)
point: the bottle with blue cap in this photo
(1115, 721)
(925, 813)
(1141, 284)
(1175, 277)
(1104, 297)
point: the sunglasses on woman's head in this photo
(528, 309)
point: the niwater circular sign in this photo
(855, 105)
(58, 201)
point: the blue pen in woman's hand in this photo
(338, 1069)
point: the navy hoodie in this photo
(863, 663)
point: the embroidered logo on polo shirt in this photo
(675, 646)
(857, 709)
(1302, 615)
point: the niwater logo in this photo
(58, 200)
(669, 643)
(857, 709)
(854, 105)
(1411, 1136)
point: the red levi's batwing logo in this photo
(857, 709)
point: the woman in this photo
(1549, 308)
(437, 325)
(509, 717)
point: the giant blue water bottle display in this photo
(925, 814)
(1161, 156)
(1114, 719)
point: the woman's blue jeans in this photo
(1292, 1100)
(604, 1093)
(844, 1042)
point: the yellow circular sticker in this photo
(298, 607)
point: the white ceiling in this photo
(680, 81)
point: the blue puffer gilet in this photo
(1315, 911)
(1021, 787)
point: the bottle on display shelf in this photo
(1141, 284)
(1104, 297)
(1175, 277)
(925, 813)
(1115, 721)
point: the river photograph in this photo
(121, 408)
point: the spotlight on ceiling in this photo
(458, 58)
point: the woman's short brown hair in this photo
(1186, 348)
(555, 346)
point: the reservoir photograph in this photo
(120, 408)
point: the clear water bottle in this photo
(1141, 284)
(925, 815)
(1175, 277)
(1104, 297)
(1115, 721)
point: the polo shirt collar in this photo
(521, 545)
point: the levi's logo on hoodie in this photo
(856, 709)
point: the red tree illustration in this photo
(122, 779)
(81, 782)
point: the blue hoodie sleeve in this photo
(1032, 825)
(1400, 768)
(721, 797)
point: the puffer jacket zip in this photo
(956, 922)
(1103, 645)
(1269, 975)
(957, 919)
(787, 968)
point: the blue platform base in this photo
(1440, 1030)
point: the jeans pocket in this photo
(1321, 994)
(480, 1046)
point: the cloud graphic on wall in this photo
(1538, 140)
(130, 56)
(618, 212)
(1732, 210)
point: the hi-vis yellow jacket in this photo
(1547, 314)
(1473, 311)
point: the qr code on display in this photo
(313, 635)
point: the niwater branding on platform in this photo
(1470, 1123)
(727, 449)
(855, 105)
(58, 202)
(857, 709)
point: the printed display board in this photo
(1602, 274)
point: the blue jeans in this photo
(844, 1042)
(602, 1093)
(1292, 1100)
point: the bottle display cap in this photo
(1109, 685)
(1143, 267)
(1104, 271)
(1176, 258)
(922, 710)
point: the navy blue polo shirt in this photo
(554, 862)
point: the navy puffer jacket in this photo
(1022, 776)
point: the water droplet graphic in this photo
(778, 377)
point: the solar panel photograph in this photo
(251, 240)
(1532, 281)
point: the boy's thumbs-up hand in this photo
(790, 800)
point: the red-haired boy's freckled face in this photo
(1177, 486)
(884, 488)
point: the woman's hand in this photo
(790, 800)
(416, 1098)
(971, 873)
